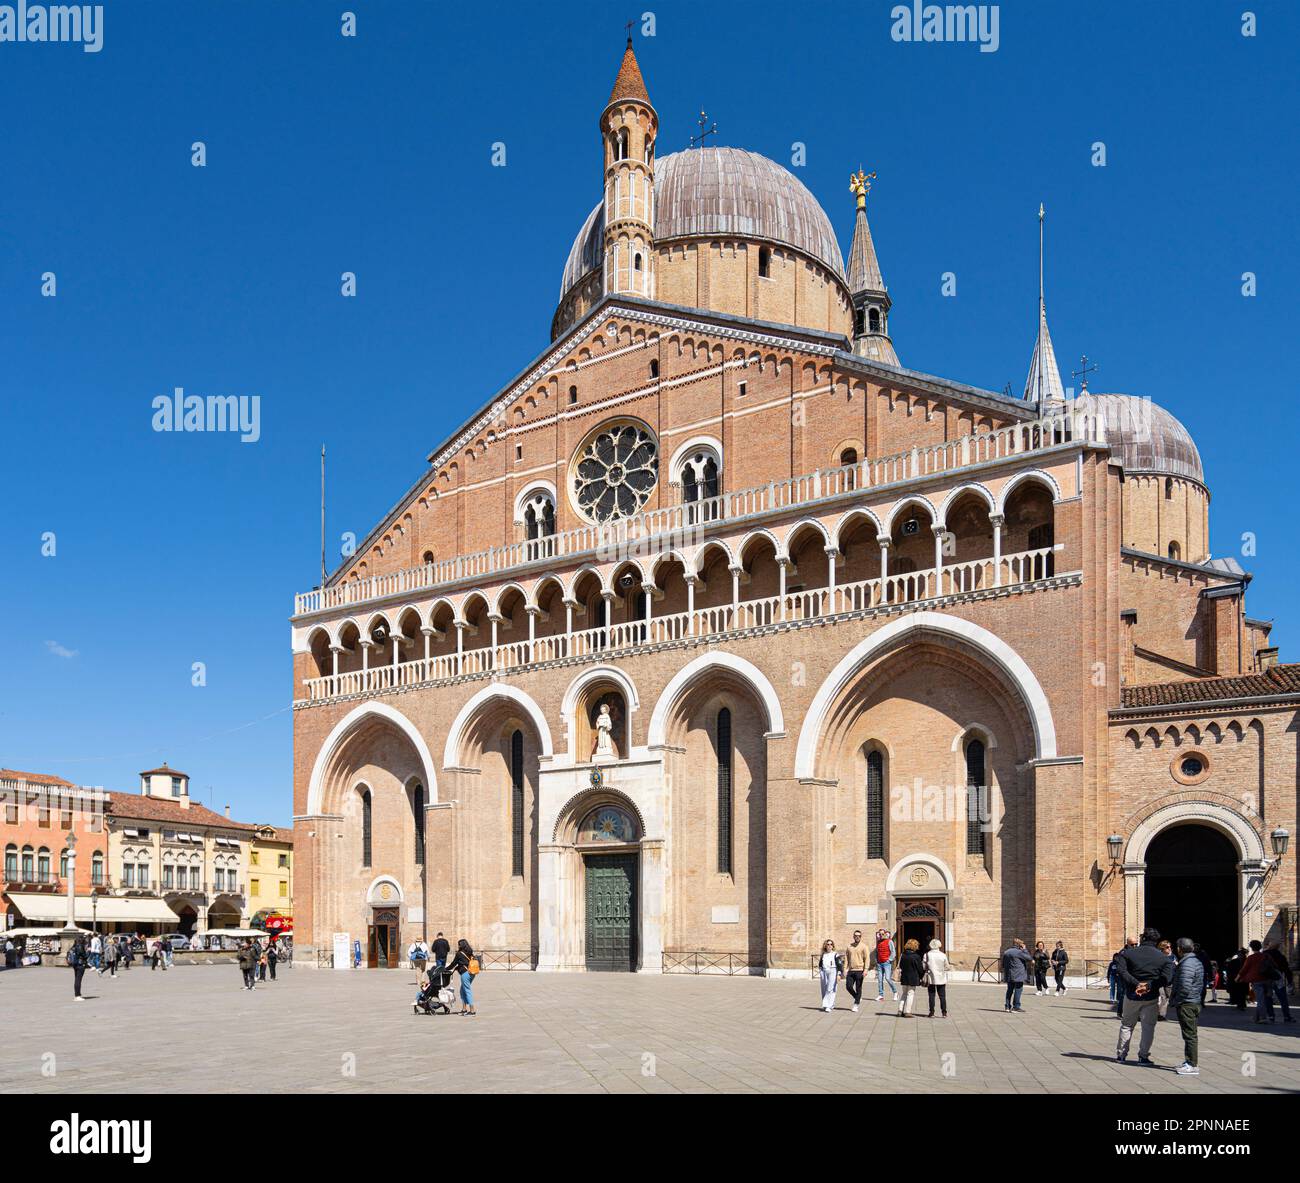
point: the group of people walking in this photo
(256, 960)
(464, 962)
(914, 970)
(1018, 963)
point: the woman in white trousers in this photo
(831, 969)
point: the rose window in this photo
(615, 473)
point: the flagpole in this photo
(322, 516)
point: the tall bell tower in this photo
(628, 127)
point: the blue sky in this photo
(372, 154)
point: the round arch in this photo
(373, 893)
(858, 513)
(345, 727)
(1233, 825)
(904, 629)
(1033, 475)
(486, 695)
(973, 487)
(912, 499)
(682, 679)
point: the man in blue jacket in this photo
(1143, 971)
(1185, 1001)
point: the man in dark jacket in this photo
(1185, 997)
(1143, 971)
(1281, 988)
(1016, 963)
(441, 951)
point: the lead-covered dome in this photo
(721, 193)
(1144, 436)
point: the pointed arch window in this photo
(977, 797)
(367, 822)
(725, 796)
(875, 805)
(517, 803)
(873, 319)
(417, 807)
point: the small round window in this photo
(1192, 766)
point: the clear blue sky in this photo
(372, 155)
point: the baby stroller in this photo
(437, 995)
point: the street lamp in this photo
(1281, 839)
(1115, 848)
(94, 910)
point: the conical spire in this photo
(629, 84)
(1044, 381)
(864, 269)
(867, 289)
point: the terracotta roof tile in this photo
(137, 805)
(1278, 680)
(629, 84)
(37, 778)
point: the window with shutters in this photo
(875, 805)
(725, 799)
(517, 802)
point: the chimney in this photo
(1267, 658)
(227, 810)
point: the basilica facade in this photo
(719, 631)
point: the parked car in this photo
(177, 940)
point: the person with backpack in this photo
(884, 962)
(1281, 987)
(1041, 962)
(467, 965)
(1016, 964)
(1262, 974)
(247, 964)
(78, 958)
(1060, 959)
(830, 968)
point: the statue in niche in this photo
(604, 734)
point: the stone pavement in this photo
(194, 1030)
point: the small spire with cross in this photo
(629, 31)
(1083, 371)
(860, 185)
(698, 141)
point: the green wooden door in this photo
(611, 912)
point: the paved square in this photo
(194, 1030)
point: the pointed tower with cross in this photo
(629, 126)
(871, 301)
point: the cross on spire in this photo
(629, 31)
(1084, 370)
(698, 141)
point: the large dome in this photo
(716, 193)
(1145, 437)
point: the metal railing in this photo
(507, 959)
(656, 525)
(702, 961)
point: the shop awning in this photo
(37, 906)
